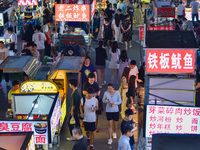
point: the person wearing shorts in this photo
(112, 99)
(89, 104)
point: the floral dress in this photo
(127, 36)
(101, 26)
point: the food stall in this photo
(39, 113)
(76, 13)
(27, 13)
(44, 78)
(4, 19)
(20, 141)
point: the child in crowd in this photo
(128, 121)
(89, 105)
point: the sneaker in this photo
(114, 135)
(100, 86)
(104, 83)
(96, 130)
(7, 84)
(110, 141)
(130, 46)
(70, 138)
(88, 141)
(91, 147)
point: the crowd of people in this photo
(121, 102)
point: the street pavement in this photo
(101, 137)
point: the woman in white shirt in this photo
(114, 64)
(116, 25)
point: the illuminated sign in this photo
(72, 12)
(40, 129)
(63, 112)
(172, 119)
(31, 145)
(160, 28)
(54, 121)
(27, 2)
(38, 87)
(170, 61)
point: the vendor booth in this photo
(170, 86)
(27, 13)
(76, 13)
(4, 19)
(39, 113)
(20, 141)
(42, 99)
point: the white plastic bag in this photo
(72, 120)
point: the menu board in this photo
(172, 119)
(40, 129)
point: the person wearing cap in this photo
(89, 105)
(188, 25)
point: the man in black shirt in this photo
(46, 13)
(128, 121)
(130, 11)
(75, 104)
(81, 143)
(92, 84)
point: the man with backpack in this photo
(92, 84)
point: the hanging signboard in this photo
(159, 28)
(27, 2)
(72, 12)
(170, 61)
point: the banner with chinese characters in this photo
(93, 9)
(55, 118)
(27, 2)
(159, 28)
(38, 87)
(166, 12)
(170, 60)
(40, 129)
(172, 119)
(72, 12)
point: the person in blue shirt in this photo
(112, 99)
(128, 121)
(123, 143)
(86, 69)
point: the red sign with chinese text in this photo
(170, 61)
(172, 119)
(160, 28)
(92, 9)
(166, 12)
(72, 12)
(27, 2)
(40, 132)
